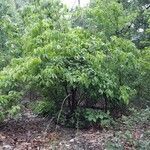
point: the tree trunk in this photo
(73, 99)
(106, 102)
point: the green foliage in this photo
(7, 104)
(98, 117)
(87, 118)
(43, 107)
(86, 57)
(134, 133)
(138, 116)
(9, 33)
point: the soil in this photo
(30, 132)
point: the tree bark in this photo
(73, 99)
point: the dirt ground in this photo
(30, 132)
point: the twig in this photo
(48, 126)
(62, 107)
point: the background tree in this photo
(9, 33)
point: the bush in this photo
(134, 133)
(43, 107)
(76, 66)
(98, 117)
(8, 109)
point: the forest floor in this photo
(31, 132)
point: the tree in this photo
(74, 61)
(9, 33)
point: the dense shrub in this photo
(134, 133)
(72, 65)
